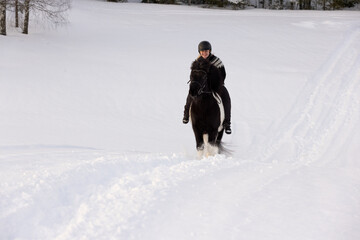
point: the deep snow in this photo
(92, 145)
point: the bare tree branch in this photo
(52, 10)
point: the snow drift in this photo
(92, 145)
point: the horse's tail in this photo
(224, 149)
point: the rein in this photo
(203, 85)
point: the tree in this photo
(52, 10)
(16, 8)
(27, 16)
(3, 17)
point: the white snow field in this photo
(92, 144)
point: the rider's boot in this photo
(187, 109)
(227, 127)
(186, 117)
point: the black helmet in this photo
(204, 45)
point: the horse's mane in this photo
(214, 75)
(201, 64)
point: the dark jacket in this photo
(218, 63)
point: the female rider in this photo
(204, 50)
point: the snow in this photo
(92, 145)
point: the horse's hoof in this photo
(200, 148)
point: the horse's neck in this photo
(204, 97)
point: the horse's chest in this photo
(208, 110)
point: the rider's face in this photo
(205, 53)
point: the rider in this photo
(204, 49)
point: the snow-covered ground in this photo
(92, 143)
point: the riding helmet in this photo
(204, 45)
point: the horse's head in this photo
(199, 77)
(198, 83)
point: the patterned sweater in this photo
(218, 63)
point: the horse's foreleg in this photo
(199, 141)
(219, 137)
(212, 144)
(212, 137)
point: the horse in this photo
(206, 110)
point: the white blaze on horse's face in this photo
(205, 53)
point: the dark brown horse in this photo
(207, 111)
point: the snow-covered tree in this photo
(238, 3)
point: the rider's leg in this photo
(227, 107)
(187, 109)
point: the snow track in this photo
(104, 194)
(80, 196)
(331, 100)
(132, 195)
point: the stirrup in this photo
(185, 120)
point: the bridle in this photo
(203, 84)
